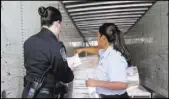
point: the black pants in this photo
(125, 95)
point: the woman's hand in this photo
(72, 67)
(78, 51)
(91, 83)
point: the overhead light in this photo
(87, 27)
(104, 17)
(139, 40)
(95, 24)
(108, 20)
(68, 1)
(108, 14)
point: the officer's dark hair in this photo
(49, 15)
(115, 37)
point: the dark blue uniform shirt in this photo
(43, 50)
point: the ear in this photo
(56, 23)
(103, 37)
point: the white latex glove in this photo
(74, 61)
(73, 67)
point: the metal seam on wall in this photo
(22, 27)
(22, 43)
(22, 31)
(1, 5)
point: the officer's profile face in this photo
(58, 26)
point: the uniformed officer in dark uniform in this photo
(45, 59)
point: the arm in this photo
(68, 75)
(62, 72)
(110, 85)
(92, 50)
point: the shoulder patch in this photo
(63, 54)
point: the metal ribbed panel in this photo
(89, 15)
(110, 6)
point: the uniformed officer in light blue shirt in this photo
(111, 73)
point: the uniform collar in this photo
(49, 33)
(108, 51)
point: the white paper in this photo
(82, 73)
(74, 61)
(91, 90)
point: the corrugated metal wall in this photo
(11, 48)
(152, 58)
(20, 20)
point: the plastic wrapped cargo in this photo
(86, 70)
(132, 76)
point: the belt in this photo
(125, 95)
(44, 90)
(47, 81)
(47, 91)
(59, 88)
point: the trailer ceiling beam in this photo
(66, 10)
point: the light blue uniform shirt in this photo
(112, 67)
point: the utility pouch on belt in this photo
(34, 89)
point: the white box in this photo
(85, 69)
(139, 92)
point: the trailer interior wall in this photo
(20, 20)
(152, 57)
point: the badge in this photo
(63, 54)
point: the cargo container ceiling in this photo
(87, 16)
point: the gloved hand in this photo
(61, 88)
(72, 67)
